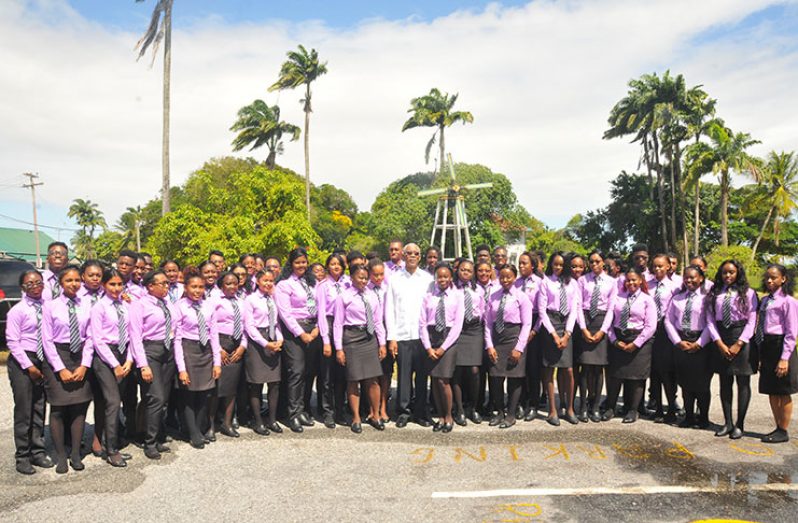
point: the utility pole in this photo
(33, 186)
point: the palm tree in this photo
(778, 190)
(160, 29)
(435, 110)
(88, 217)
(700, 116)
(302, 68)
(260, 124)
(130, 224)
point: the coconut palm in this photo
(260, 124)
(130, 225)
(88, 217)
(698, 120)
(160, 29)
(435, 110)
(302, 68)
(778, 190)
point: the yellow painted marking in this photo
(592, 451)
(429, 451)
(558, 451)
(752, 449)
(459, 453)
(679, 451)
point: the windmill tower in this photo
(454, 229)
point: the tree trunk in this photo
(762, 232)
(138, 237)
(307, 149)
(681, 211)
(647, 159)
(724, 208)
(271, 159)
(673, 197)
(660, 196)
(442, 146)
(697, 218)
(167, 73)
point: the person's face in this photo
(596, 264)
(300, 266)
(774, 279)
(230, 285)
(661, 266)
(274, 266)
(249, 263)
(33, 285)
(557, 265)
(506, 278)
(266, 283)
(443, 277)
(358, 261)
(70, 283)
(113, 287)
(432, 258)
(674, 265)
(728, 274)
(377, 275)
(319, 273)
(125, 266)
(57, 258)
(525, 266)
(484, 273)
(218, 261)
(147, 264)
(465, 271)
(699, 262)
(395, 252)
(159, 287)
(483, 256)
(360, 279)
(259, 264)
(171, 271)
(632, 282)
(499, 257)
(180, 277)
(577, 267)
(692, 279)
(195, 288)
(335, 269)
(241, 273)
(613, 267)
(209, 274)
(412, 257)
(138, 270)
(92, 277)
(640, 259)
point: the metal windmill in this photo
(452, 197)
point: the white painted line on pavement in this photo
(599, 491)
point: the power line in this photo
(40, 225)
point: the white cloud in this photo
(540, 80)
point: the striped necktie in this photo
(369, 313)
(759, 336)
(594, 298)
(499, 323)
(39, 345)
(311, 300)
(687, 317)
(727, 313)
(440, 313)
(167, 316)
(122, 326)
(658, 299)
(338, 288)
(272, 316)
(377, 292)
(563, 299)
(469, 305)
(238, 330)
(75, 343)
(627, 311)
(56, 291)
(202, 326)
(173, 297)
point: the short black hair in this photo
(127, 253)
(353, 255)
(58, 244)
(639, 247)
(215, 252)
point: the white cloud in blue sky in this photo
(540, 79)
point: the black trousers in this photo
(412, 390)
(108, 394)
(331, 383)
(155, 395)
(301, 362)
(28, 410)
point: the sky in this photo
(539, 77)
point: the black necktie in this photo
(469, 305)
(440, 313)
(202, 326)
(39, 345)
(499, 323)
(122, 326)
(167, 316)
(75, 343)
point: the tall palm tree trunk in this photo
(307, 149)
(673, 197)
(167, 73)
(724, 209)
(442, 146)
(681, 208)
(660, 196)
(762, 232)
(647, 161)
(138, 237)
(697, 215)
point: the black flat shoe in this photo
(724, 431)
(42, 461)
(261, 430)
(460, 419)
(736, 433)
(519, 412)
(357, 428)
(25, 467)
(570, 418)
(152, 453)
(659, 417)
(475, 417)
(608, 415)
(670, 417)
(116, 460)
(77, 464)
(554, 421)
(329, 422)
(62, 467)
(507, 423)
(401, 421)
(595, 416)
(198, 444)
(447, 428)
(582, 416)
(210, 436)
(496, 420)
(686, 423)
(423, 422)
(229, 432)
(275, 427)
(630, 417)
(305, 420)
(160, 447)
(531, 414)
(98, 453)
(704, 423)
(777, 436)
(295, 425)
(376, 423)
(437, 426)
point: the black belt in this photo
(625, 333)
(475, 321)
(309, 322)
(689, 335)
(557, 314)
(355, 328)
(734, 324)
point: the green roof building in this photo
(21, 244)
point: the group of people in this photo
(192, 348)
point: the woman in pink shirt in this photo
(663, 371)
(379, 286)
(359, 339)
(529, 282)
(485, 285)
(172, 271)
(69, 353)
(776, 332)
(91, 273)
(332, 378)
(470, 347)
(113, 361)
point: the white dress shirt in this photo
(403, 301)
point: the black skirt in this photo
(199, 365)
(662, 362)
(362, 354)
(769, 356)
(470, 345)
(551, 356)
(746, 361)
(693, 370)
(630, 365)
(260, 364)
(227, 385)
(504, 344)
(58, 393)
(592, 353)
(444, 367)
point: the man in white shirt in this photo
(403, 300)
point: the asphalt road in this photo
(532, 472)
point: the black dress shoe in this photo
(261, 429)
(519, 412)
(475, 417)
(437, 426)
(160, 447)
(736, 433)
(275, 427)
(42, 461)
(401, 421)
(116, 460)
(507, 423)
(659, 417)
(306, 420)
(530, 414)
(200, 444)
(777, 436)
(595, 416)
(376, 423)
(724, 431)
(329, 422)
(630, 417)
(582, 416)
(553, 421)
(25, 467)
(61, 467)
(447, 428)
(703, 423)
(229, 432)
(570, 418)
(98, 453)
(496, 419)
(670, 417)
(357, 428)
(235, 424)
(460, 419)
(295, 425)
(210, 436)
(423, 422)
(151, 453)
(687, 422)
(608, 415)
(77, 464)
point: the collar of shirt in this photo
(30, 301)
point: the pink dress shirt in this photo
(146, 322)
(698, 317)
(55, 329)
(21, 328)
(607, 290)
(549, 300)
(642, 316)
(105, 330)
(256, 316)
(186, 327)
(328, 291)
(747, 314)
(293, 302)
(349, 309)
(781, 318)
(454, 308)
(517, 309)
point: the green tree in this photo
(88, 217)
(302, 68)
(160, 29)
(778, 192)
(130, 226)
(435, 110)
(260, 124)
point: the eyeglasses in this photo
(412, 253)
(160, 283)
(57, 254)
(33, 284)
